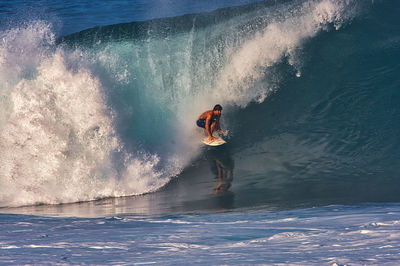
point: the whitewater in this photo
(101, 161)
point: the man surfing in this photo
(209, 120)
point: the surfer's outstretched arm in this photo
(218, 127)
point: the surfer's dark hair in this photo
(217, 107)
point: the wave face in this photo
(309, 90)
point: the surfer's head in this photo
(217, 110)
(217, 107)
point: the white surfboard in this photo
(215, 142)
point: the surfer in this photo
(209, 120)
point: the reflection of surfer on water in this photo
(222, 166)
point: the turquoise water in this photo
(98, 105)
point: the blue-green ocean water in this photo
(98, 107)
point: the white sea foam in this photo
(238, 81)
(57, 134)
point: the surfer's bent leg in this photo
(201, 123)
